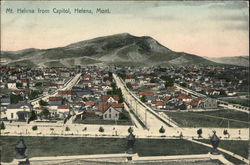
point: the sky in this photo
(204, 28)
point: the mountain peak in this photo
(122, 48)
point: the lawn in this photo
(216, 119)
(98, 120)
(60, 146)
(235, 146)
(238, 147)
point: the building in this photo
(18, 111)
(208, 103)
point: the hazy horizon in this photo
(203, 28)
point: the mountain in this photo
(123, 49)
(235, 60)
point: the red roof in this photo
(55, 98)
(63, 107)
(158, 103)
(171, 88)
(104, 107)
(168, 97)
(146, 93)
(24, 80)
(184, 96)
(106, 97)
(66, 93)
(129, 77)
(86, 76)
(90, 103)
(41, 108)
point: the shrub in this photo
(162, 130)
(67, 129)
(130, 130)
(2, 126)
(199, 132)
(34, 128)
(101, 129)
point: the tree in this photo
(130, 130)
(34, 128)
(162, 130)
(19, 85)
(152, 80)
(110, 74)
(14, 99)
(45, 113)
(143, 99)
(43, 103)
(67, 129)
(2, 126)
(32, 117)
(183, 85)
(34, 94)
(101, 129)
(168, 81)
(225, 132)
(199, 132)
(129, 85)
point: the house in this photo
(18, 111)
(86, 77)
(184, 97)
(55, 101)
(110, 98)
(11, 85)
(106, 87)
(188, 105)
(110, 111)
(5, 100)
(25, 83)
(111, 114)
(63, 110)
(208, 103)
(67, 94)
(158, 104)
(129, 79)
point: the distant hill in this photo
(123, 49)
(236, 60)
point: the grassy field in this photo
(211, 119)
(235, 146)
(97, 120)
(55, 146)
(239, 147)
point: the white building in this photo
(18, 111)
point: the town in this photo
(106, 101)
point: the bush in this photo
(67, 129)
(101, 129)
(199, 132)
(33, 116)
(162, 130)
(14, 99)
(130, 130)
(43, 103)
(2, 126)
(34, 128)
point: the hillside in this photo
(121, 49)
(236, 60)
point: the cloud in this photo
(230, 5)
(237, 27)
(237, 18)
